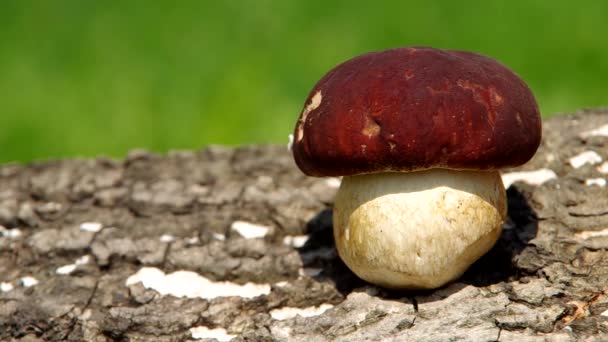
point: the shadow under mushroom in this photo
(497, 265)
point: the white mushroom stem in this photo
(417, 230)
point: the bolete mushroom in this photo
(419, 135)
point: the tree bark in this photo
(75, 232)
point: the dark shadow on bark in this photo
(320, 252)
(494, 267)
(498, 264)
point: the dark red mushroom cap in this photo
(416, 108)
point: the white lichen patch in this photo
(92, 227)
(333, 182)
(202, 332)
(290, 142)
(12, 234)
(282, 333)
(536, 177)
(601, 182)
(601, 131)
(605, 313)
(587, 157)
(603, 168)
(6, 287)
(289, 312)
(192, 285)
(166, 238)
(249, 230)
(591, 234)
(193, 240)
(83, 260)
(314, 103)
(86, 315)
(296, 241)
(219, 237)
(264, 181)
(28, 281)
(310, 271)
(68, 269)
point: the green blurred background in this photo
(91, 77)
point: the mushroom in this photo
(419, 135)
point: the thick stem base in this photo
(417, 230)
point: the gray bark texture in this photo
(545, 280)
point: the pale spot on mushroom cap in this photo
(202, 332)
(370, 128)
(518, 118)
(497, 99)
(315, 102)
(289, 312)
(474, 88)
(192, 285)
(408, 73)
(249, 230)
(536, 177)
(587, 157)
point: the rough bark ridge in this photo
(546, 279)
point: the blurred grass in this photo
(83, 78)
